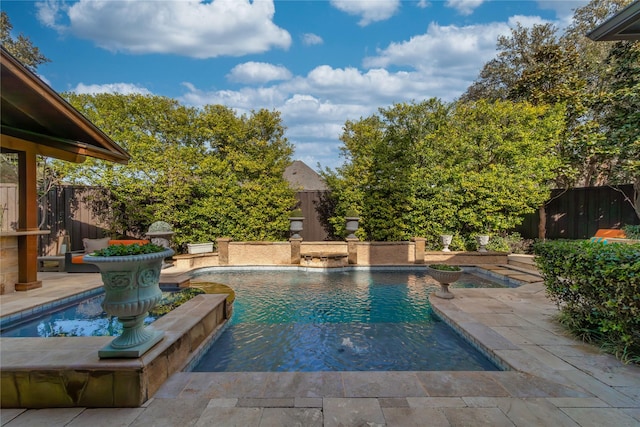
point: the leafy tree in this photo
(540, 65)
(501, 156)
(206, 171)
(533, 65)
(622, 116)
(346, 181)
(464, 168)
(21, 47)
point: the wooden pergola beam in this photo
(17, 145)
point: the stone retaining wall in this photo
(358, 253)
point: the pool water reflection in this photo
(338, 321)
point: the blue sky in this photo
(320, 63)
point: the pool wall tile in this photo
(205, 347)
(196, 336)
(157, 372)
(178, 353)
(210, 320)
(128, 389)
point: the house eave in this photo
(624, 25)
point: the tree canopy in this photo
(541, 64)
(421, 169)
(21, 47)
(596, 81)
(208, 172)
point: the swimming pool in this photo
(82, 317)
(338, 321)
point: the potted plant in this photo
(446, 239)
(482, 240)
(352, 219)
(199, 248)
(131, 276)
(445, 275)
(296, 223)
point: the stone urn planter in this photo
(446, 239)
(131, 276)
(483, 241)
(352, 225)
(296, 226)
(296, 223)
(160, 233)
(445, 275)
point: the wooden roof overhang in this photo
(36, 118)
(624, 25)
(38, 121)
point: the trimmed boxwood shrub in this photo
(597, 288)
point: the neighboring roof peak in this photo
(302, 177)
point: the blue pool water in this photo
(338, 321)
(75, 319)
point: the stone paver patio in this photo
(554, 380)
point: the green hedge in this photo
(597, 288)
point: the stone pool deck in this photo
(554, 380)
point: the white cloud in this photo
(310, 39)
(50, 12)
(564, 9)
(527, 21)
(188, 28)
(122, 88)
(315, 107)
(258, 72)
(369, 11)
(444, 50)
(464, 7)
(440, 63)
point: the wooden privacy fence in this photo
(8, 206)
(313, 230)
(573, 214)
(69, 212)
(579, 212)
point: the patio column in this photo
(28, 221)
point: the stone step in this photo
(515, 273)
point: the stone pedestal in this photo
(419, 249)
(352, 250)
(295, 249)
(223, 250)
